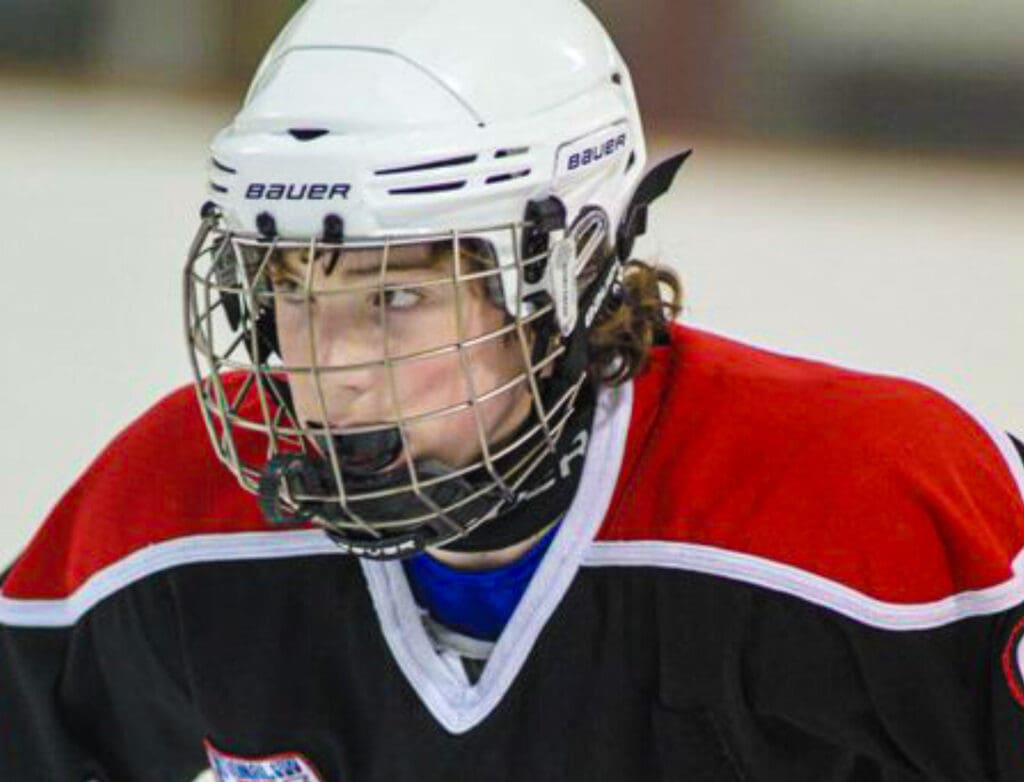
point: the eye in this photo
(288, 289)
(396, 299)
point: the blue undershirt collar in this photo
(474, 603)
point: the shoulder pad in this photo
(874, 484)
(156, 482)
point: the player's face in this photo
(387, 347)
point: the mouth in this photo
(374, 469)
(364, 454)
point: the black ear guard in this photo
(542, 218)
(237, 310)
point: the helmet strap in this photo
(536, 505)
(546, 494)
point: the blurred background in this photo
(856, 194)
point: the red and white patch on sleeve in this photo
(1013, 663)
(283, 767)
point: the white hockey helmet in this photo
(423, 118)
(372, 124)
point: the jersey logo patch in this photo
(1013, 663)
(285, 767)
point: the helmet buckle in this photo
(562, 283)
(544, 217)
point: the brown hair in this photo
(632, 320)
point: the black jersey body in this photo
(773, 569)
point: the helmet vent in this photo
(442, 187)
(497, 178)
(218, 188)
(221, 167)
(511, 152)
(447, 163)
(307, 134)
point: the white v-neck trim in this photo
(446, 692)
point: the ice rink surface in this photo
(885, 261)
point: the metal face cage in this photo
(397, 393)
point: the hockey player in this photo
(488, 513)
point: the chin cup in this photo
(301, 488)
(450, 510)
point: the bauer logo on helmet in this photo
(605, 145)
(320, 191)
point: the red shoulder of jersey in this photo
(157, 481)
(879, 484)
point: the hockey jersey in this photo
(773, 569)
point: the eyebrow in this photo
(355, 262)
(372, 263)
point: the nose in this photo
(349, 362)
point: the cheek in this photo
(293, 341)
(443, 381)
(292, 334)
(430, 385)
(501, 374)
(455, 437)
